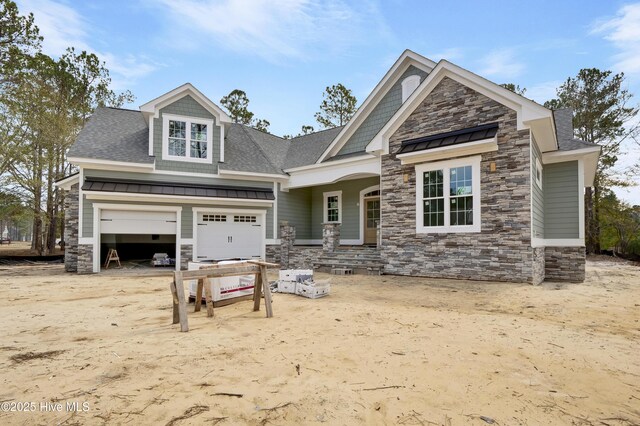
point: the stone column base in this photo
(565, 264)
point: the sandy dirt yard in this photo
(378, 350)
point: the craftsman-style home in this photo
(440, 173)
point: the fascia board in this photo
(329, 164)
(320, 176)
(158, 103)
(94, 163)
(67, 182)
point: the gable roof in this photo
(113, 134)
(529, 114)
(405, 60)
(152, 107)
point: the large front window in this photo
(448, 196)
(187, 139)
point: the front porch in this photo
(329, 257)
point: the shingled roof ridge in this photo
(257, 144)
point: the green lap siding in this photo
(294, 207)
(188, 107)
(537, 195)
(561, 211)
(388, 105)
(350, 228)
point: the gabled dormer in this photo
(186, 131)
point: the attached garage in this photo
(138, 234)
(229, 234)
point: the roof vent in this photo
(409, 85)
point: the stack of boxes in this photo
(300, 282)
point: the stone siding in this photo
(85, 258)
(538, 265)
(186, 254)
(71, 229)
(502, 250)
(565, 264)
(301, 257)
(330, 236)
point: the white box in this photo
(318, 289)
(293, 274)
(287, 287)
(223, 288)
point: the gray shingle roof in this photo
(564, 130)
(307, 149)
(114, 134)
(243, 153)
(178, 189)
(123, 135)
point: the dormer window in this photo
(187, 138)
(409, 85)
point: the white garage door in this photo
(137, 222)
(229, 235)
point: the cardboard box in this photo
(318, 289)
(294, 274)
(287, 287)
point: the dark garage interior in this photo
(137, 248)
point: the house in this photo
(440, 173)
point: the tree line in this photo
(44, 102)
(603, 113)
(337, 107)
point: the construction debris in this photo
(301, 282)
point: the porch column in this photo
(287, 237)
(330, 236)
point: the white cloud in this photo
(501, 63)
(451, 54)
(624, 32)
(62, 26)
(274, 29)
(543, 92)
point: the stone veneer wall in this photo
(71, 229)
(538, 265)
(502, 250)
(301, 257)
(330, 236)
(186, 254)
(565, 264)
(85, 258)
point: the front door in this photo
(371, 219)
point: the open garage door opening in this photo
(137, 236)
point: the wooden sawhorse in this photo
(261, 286)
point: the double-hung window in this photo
(448, 196)
(332, 207)
(187, 138)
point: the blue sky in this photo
(283, 53)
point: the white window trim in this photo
(474, 162)
(325, 196)
(188, 120)
(409, 85)
(538, 168)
